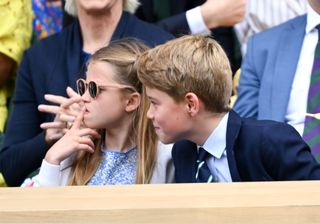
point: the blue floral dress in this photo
(116, 168)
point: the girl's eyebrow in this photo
(152, 98)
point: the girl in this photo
(111, 98)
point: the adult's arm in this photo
(207, 16)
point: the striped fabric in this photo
(203, 174)
(264, 14)
(311, 133)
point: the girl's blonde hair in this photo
(122, 55)
(128, 5)
(147, 144)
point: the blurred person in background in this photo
(280, 76)
(15, 37)
(264, 14)
(47, 18)
(213, 17)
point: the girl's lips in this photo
(86, 111)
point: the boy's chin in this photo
(166, 140)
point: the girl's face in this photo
(109, 107)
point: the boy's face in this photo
(170, 118)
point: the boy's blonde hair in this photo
(128, 5)
(195, 64)
(122, 55)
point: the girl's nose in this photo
(86, 96)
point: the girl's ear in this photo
(192, 103)
(133, 102)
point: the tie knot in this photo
(202, 154)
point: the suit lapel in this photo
(285, 67)
(233, 128)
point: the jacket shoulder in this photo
(273, 32)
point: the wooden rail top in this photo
(296, 201)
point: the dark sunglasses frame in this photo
(94, 88)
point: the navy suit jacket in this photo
(256, 151)
(48, 68)
(268, 71)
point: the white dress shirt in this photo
(216, 146)
(297, 105)
(196, 22)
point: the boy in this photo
(188, 82)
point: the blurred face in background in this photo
(97, 6)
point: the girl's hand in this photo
(75, 139)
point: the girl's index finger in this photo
(79, 119)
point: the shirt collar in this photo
(313, 19)
(216, 142)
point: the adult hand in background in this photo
(218, 13)
(66, 111)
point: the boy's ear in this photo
(192, 103)
(133, 102)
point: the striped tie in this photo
(311, 133)
(203, 173)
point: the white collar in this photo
(313, 19)
(216, 142)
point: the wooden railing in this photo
(291, 202)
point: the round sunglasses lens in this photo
(93, 89)
(81, 87)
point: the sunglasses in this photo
(94, 89)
